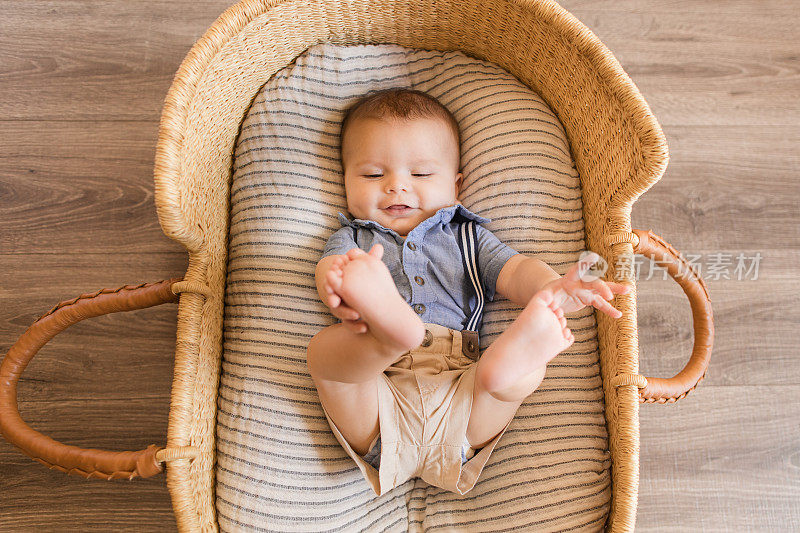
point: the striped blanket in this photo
(279, 466)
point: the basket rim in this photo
(182, 92)
(649, 134)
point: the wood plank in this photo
(700, 70)
(721, 459)
(79, 187)
(755, 334)
(117, 356)
(83, 84)
(127, 424)
(709, 67)
(726, 188)
(686, 7)
(37, 498)
(95, 61)
(99, 177)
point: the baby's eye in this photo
(420, 174)
(373, 175)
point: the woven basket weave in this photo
(617, 145)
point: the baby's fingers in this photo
(577, 271)
(618, 288)
(606, 307)
(333, 299)
(344, 312)
(333, 280)
(356, 326)
(600, 287)
(584, 296)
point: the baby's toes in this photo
(562, 321)
(554, 307)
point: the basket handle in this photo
(89, 463)
(672, 389)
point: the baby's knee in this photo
(526, 385)
(519, 390)
(316, 349)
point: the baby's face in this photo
(396, 162)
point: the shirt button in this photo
(412, 246)
(419, 309)
(419, 280)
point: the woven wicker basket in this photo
(617, 145)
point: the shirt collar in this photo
(445, 215)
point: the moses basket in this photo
(618, 149)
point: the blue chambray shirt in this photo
(426, 266)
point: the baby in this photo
(400, 379)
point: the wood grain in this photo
(83, 84)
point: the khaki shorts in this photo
(424, 403)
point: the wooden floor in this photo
(82, 87)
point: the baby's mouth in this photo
(398, 209)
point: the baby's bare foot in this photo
(538, 334)
(366, 285)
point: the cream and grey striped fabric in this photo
(279, 466)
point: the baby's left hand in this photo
(573, 293)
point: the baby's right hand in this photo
(331, 285)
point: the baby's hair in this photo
(399, 102)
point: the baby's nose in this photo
(395, 183)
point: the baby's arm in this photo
(522, 277)
(526, 276)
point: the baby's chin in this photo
(402, 225)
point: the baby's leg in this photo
(345, 365)
(514, 366)
(353, 406)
